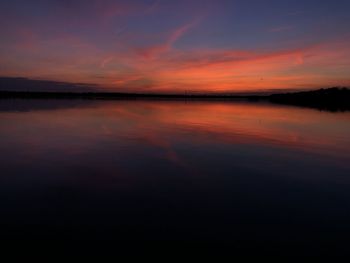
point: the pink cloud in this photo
(105, 61)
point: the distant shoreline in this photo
(117, 95)
(332, 99)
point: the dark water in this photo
(179, 171)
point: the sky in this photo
(178, 46)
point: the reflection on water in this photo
(174, 170)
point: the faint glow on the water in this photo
(174, 170)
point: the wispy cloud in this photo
(153, 7)
(156, 50)
(281, 29)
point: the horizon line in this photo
(98, 89)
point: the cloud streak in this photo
(159, 49)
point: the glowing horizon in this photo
(177, 46)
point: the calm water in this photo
(166, 170)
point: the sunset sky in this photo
(177, 46)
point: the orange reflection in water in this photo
(163, 124)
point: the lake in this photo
(209, 171)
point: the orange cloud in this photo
(238, 70)
(163, 68)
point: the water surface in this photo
(174, 170)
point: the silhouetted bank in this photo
(34, 85)
(332, 99)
